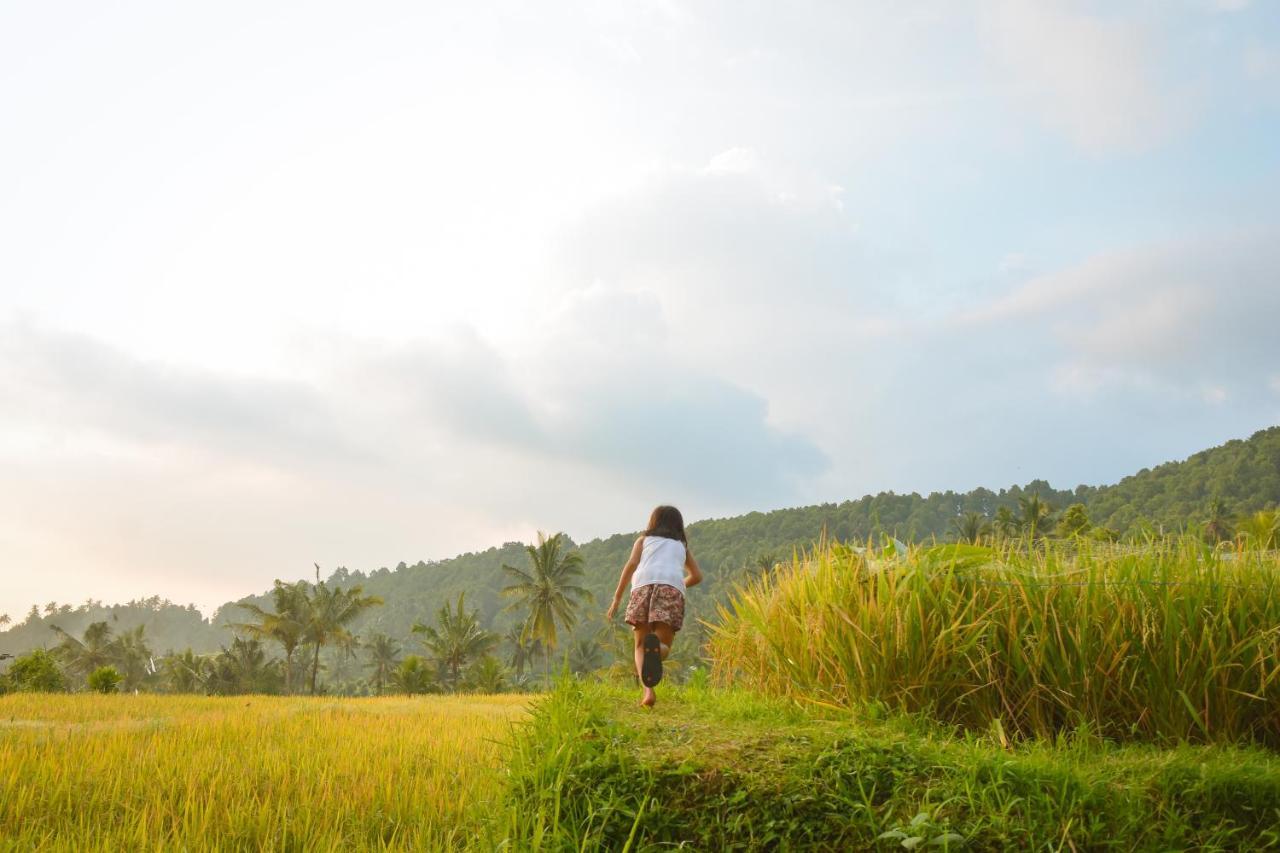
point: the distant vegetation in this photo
(1225, 494)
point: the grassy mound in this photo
(1167, 642)
(722, 770)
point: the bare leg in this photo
(666, 636)
(642, 631)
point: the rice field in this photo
(1167, 641)
(91, 772)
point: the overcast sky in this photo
(369, 282)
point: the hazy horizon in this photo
(309, 283)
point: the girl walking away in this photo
(659, 570)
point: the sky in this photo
(351, 284)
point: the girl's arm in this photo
(692, 574)
(627, 571)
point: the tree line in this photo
(278, 649)
(1223, 493)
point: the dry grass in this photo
(262, 773)
(1168, 641)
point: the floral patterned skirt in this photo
(656, 602)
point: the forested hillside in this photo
(1244, 475)
(166, 626)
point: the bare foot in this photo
(649, 698)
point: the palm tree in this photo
(1034, 515)
(92, 651)
(1217, 527)
(1005, 524)
(522, 649)
(487, 675)
(765, 562)
(242, 668)
(586, 655)
(132, 657)
(457, 641)
(328, 612)
(285, 626)
(384, 655)
(549, 592)
(182, 671)
(971, 527)
(413, 676)
(4, 619)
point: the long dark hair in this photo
(667, 522)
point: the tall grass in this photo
(1168, 641)
(87, 772)
(722, 770)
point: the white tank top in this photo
(661, 561)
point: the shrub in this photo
(413, 676)
(1171, 640)
(35, 672)
(105, 679)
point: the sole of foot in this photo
(651, 667)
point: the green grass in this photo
(1167, 642)
(723, 770)
(91, 772)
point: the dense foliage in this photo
(35, 672)
(1170, 641)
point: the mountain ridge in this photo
(1244, 473)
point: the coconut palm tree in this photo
(548, 592)
(1217, 527)
(971, 527)
(241, 668)
(285, 626)
(1005, 524)
(586, 654)
(1034, 515)
(384, 655)
(413, 676)
(523, 649)
(132, 657)
(457, 641)
(183, 672)
(329, 610)
(487, 675)
(92, 651)
(4, 619)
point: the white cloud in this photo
(443, 275)
(1215, 395)
(1090, 76)
(733, 161)
(1196, 314)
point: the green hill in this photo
(1245, 474)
